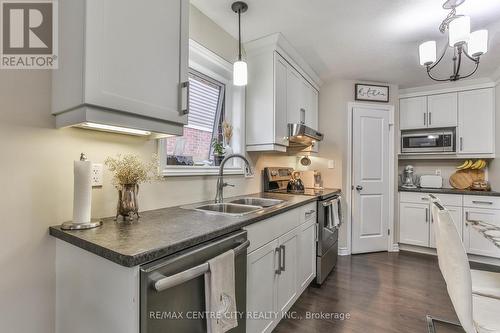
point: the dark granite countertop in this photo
(450, 191)
(165, 231)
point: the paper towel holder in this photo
(70, 225)
(94, 223)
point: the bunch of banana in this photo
(477, 165)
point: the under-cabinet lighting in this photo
(116, 129)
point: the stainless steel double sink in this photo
(240, 207)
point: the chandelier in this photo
(465, 45)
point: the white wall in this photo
(36, 165)
(333, 99)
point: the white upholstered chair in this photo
(484, 283)
(477, 314)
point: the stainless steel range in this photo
(329, 217)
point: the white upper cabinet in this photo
(123, 64)
(476, 119)
(442, 110)
(295, 97)
(413, 113)
(281, 89)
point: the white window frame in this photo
(206, 62)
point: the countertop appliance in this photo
(329, 217)
(175, 284)
(408, 178)
(428, 142)
(431, 181)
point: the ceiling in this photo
(361, 39)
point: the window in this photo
(206, 114)
(213, 99)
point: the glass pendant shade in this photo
(427, 53)
(240, 73)
(459, 30)
(478, 43)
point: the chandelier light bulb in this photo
(427, 53)
(459, 31)
(478, 43)
(240, 73)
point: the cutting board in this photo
(463, 179)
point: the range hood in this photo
(301, 135)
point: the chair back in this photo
(454, 265)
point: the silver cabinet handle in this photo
(359, 187)
(425, 198)
(310, 212)
(430, 118)
(461, 143)
(426, 215)
(425, 119)
(482, 202)
(278, 250)
(283, 268)
(184, 97)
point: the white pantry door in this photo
(370, 179)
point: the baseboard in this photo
(395, 248)
(429, 251)
(344, 251)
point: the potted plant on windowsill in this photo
(218, 152)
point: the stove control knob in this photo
(274, 173)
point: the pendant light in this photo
(240, 71)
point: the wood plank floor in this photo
(382, 292)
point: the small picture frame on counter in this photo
(371, 93)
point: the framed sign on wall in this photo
(371, 93)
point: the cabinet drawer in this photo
(478, 201)
(272, 228)
(446, 199)
(308, 212)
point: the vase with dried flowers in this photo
(128, 172)
(227, 134)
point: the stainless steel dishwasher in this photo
(173, 288)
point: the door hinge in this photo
(388, 232)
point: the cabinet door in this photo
(456, 214)
(287, 279)
(137, 56)
(474, 242)
(476, 121)
(261, 285)
(413, 113)
(311, 106)
(442, 110)
(414, 224)
(306, 254)
(280, 100)
(294, 97)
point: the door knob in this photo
(359, 187)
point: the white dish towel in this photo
(220, 296)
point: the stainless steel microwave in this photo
(428, 142)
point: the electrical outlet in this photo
(438, 172)
(331, 164)
(248, 172)
(96, 174)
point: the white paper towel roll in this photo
(82, 195)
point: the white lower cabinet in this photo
(474, 242)
(261, 279)
(417, 226)
(280, 270)
(307, 250)
(414, 223)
